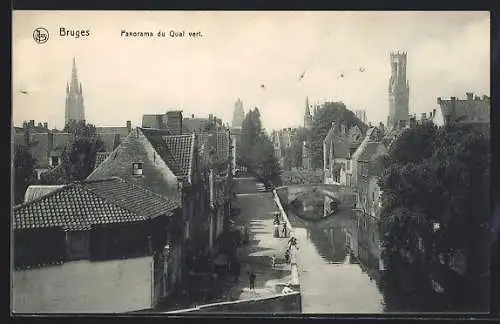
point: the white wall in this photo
(84, 287)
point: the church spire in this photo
(308, 112)
(74, 78)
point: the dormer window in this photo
(137, 168)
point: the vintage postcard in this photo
(277, 162)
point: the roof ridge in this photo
(147, 190)
(172, 156)
(24, 204)
(110, 201)
(191, 156)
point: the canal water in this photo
(339, 265)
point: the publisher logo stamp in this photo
(41, 35)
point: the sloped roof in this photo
(80, 205)
(110, 141)
(341, 150)
(35, 191)
(221, 146)
(371, 151)
(176, 150)
(157, 176)
(100, 157)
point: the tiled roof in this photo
(341, 150)
(221, 146)
(371, 151)
(34, 191)
(176, 150)
(100, 157)
(80, 205)
(156, 175)
(111, 141)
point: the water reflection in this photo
(343, 278)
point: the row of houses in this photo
(47, 145)
(357, 164)
(125, 238)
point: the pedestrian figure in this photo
(287, 256)
(251, 277)
(273, 261)
(292, 242)
(284, 231)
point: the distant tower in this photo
(308, 117)
(238, 114)
(74, 99)
(399, 92)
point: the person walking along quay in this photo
(252, 277)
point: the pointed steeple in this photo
(308, 112)
(74, 78)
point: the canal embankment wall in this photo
(281, 303)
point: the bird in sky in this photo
(341, 75)
(362, 69)
(24, 92)
(302, 75)
(263, 86)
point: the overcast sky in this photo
(126, 77)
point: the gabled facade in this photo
(338, 148)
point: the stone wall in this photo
(281, 304)
(84, 287)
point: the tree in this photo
(256, 151)
(24, 172)
(322, 122)
(78, 158)
(294, 152)
(437, 176)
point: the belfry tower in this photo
(399, 93)
(74, 99)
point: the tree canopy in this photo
(437, 176)
(78, 158)
(322, 122)
(256, 151)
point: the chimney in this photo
(50, 140)
(46, 125)
(129, 126)
(470, 95)
(174, 121)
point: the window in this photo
(54, 161)
(137, 168)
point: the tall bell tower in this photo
(399, 92)
(74, 98)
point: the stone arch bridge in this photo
(345, 195)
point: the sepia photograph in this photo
(250, 162)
